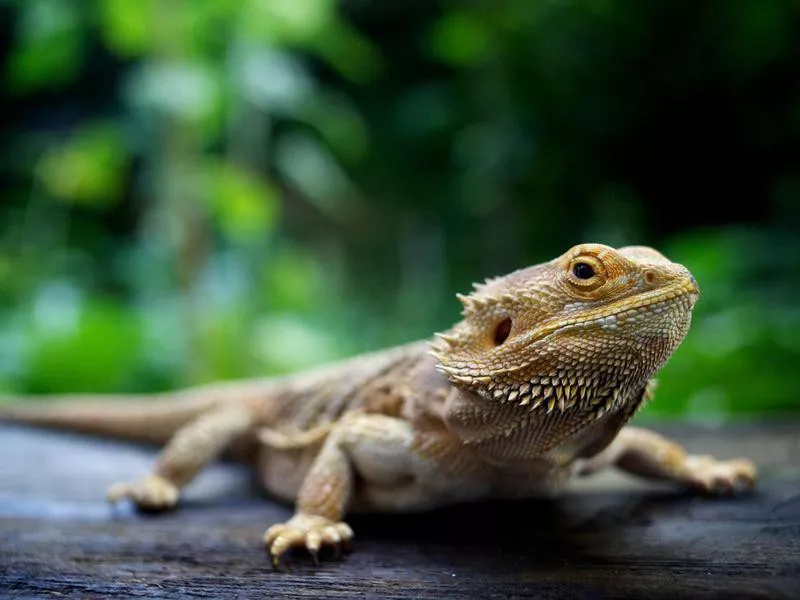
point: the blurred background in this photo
(196, 190)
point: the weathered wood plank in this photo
(616, 538)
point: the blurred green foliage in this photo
(207, 189)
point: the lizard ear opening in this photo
(502, 331)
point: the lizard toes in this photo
(331, 537)
(309, 531)
(340, 535)
(742, 473)
(273, 533)
(153, 493)
(722, 478)
(281, 543)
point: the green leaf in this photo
(461, 38)
(93, 350)
(287, 21)
(295, 281)
(223, 342)
(245, 206)
(48, 50)
(350, 53)
(340, 125)
(125, 25)
(88, 169)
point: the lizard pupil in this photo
(502, 331)
(583, 271)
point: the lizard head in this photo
(585, 330)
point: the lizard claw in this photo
(152, 493)
(721, 477)
(309, 531)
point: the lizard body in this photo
(533, 386)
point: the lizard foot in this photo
(309, 531)
(720, 477)
(152, 493)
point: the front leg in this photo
(650, 455)
(394, 474)
(327, 490)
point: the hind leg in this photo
(189, 450)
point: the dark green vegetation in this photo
(206, 189)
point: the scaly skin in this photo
(532, 387)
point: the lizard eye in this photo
(586, 273)
(502, 331)
(583, 270)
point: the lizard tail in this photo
(148, 419)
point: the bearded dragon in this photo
(533, 386)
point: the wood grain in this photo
(612, 538)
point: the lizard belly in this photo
(391, 474)
(281, 472)
(414, 483)
(395, 475)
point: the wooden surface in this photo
(612, 538)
